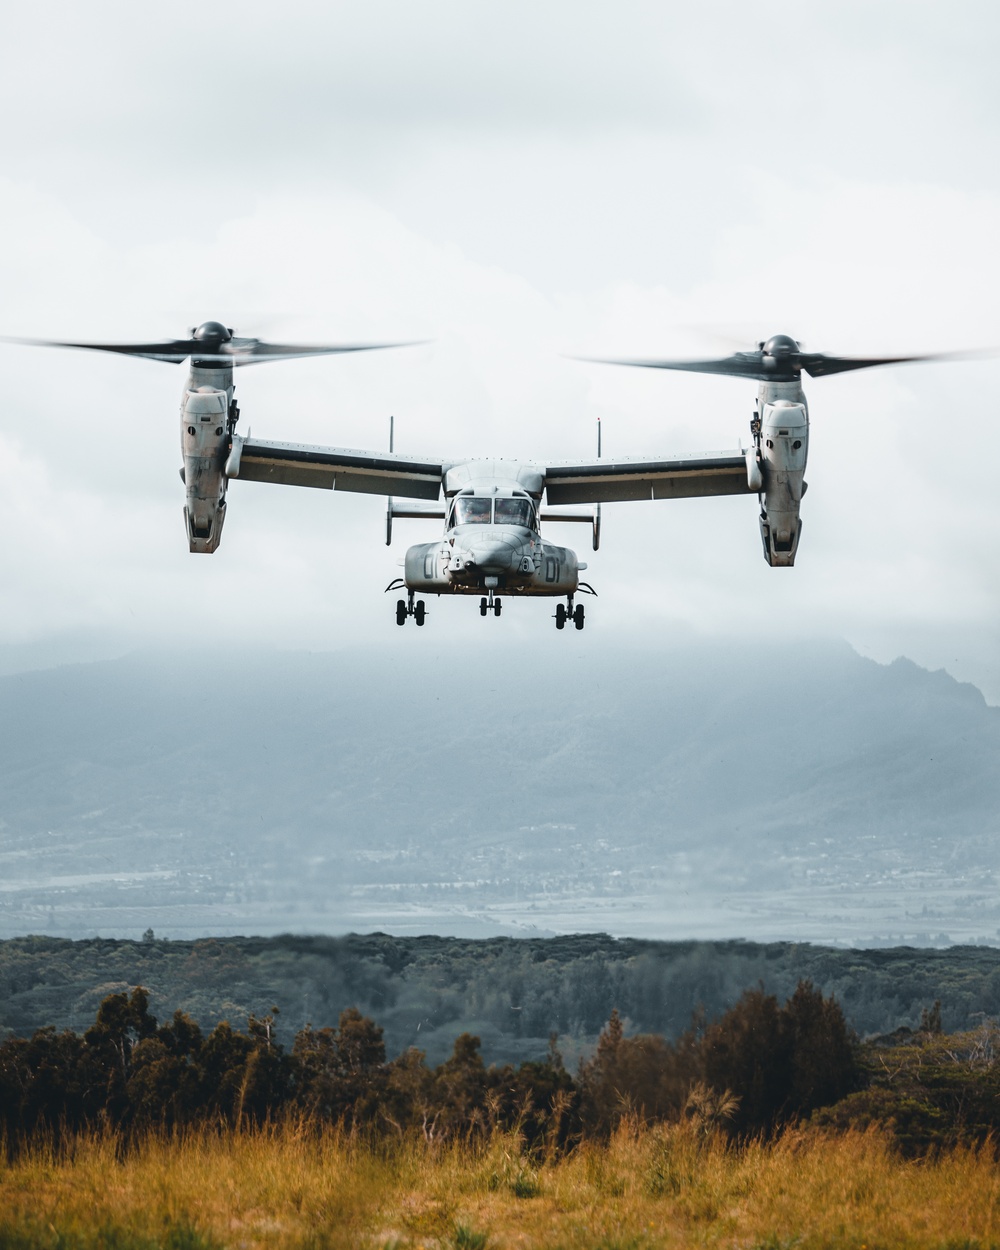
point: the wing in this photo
(606, 481)
(334, 468)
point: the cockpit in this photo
(477, 510)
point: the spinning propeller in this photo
(778, 359)
(213, 344)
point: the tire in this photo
(400, 611)
(419, 611)
(496, 607)
(484, 607)
(578, 616)
(560, 616)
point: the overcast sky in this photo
(516, 181)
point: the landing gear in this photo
(406, 607)
(566, 612)
(488, 605)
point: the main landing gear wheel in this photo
(566, 612)
(496, 607)
(484, 607)
(406, 607)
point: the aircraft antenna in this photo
(388, 511)
(596, 527)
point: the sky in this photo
(518, 183)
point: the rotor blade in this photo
(255, 351)
(739, 365)
(172, 351)
(234, 352)
(777, 368)
(818, 366)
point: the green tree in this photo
(643, 1075)
(164, 1085)
(341, 1074)
(42, 1083)
(123, 1021)
(824, 1061)
(930, 1021)
(460, 1088)
(541, 1100)
(408, 1098)
(780, 1062)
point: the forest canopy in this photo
(511, 993)
(757, 1069)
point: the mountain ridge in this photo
(376, 775)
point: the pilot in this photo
(476, 511)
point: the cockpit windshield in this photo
(513, 512)
(472, 511)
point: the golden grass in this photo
(293, 1186)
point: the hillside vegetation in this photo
(758, 1069)
(512, 993)
(769, 1126)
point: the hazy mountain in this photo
(791, 791)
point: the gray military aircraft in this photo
(492, 509)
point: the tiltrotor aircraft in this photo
(492, 509)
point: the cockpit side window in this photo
(514, 512)
(472, 511)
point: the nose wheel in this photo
(406, 607)
(566, 612)
(488, 604)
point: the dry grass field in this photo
(295, 1186)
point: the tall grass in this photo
(295, 1185)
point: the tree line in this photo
(512, 993)
(759, 1066)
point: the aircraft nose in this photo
(491, 555)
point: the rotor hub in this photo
(781, 346)
(213, 332)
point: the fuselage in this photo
(491, 539)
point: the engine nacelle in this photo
(557, 571)
(784, 444)
(205, 446)
(424, 568)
